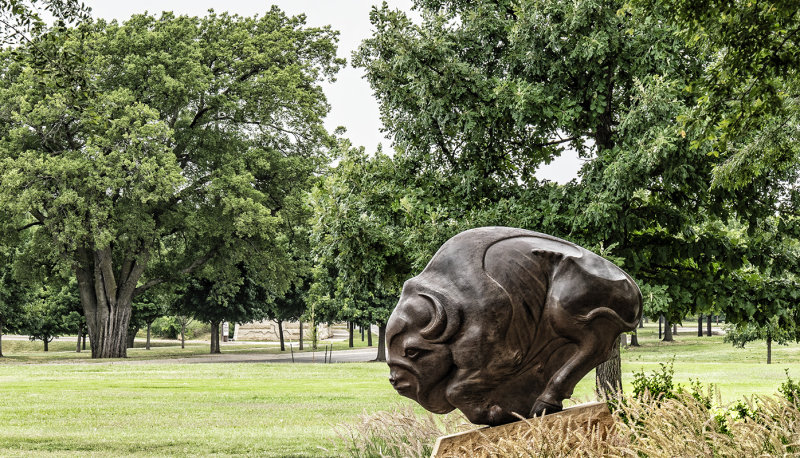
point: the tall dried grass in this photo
(398, 433)
(681, 427)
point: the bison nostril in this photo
(392, 380)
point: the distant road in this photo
(360, 355)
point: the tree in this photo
(239, 300)
(50, 313)
(289, 307)
(743, 333)
(144, 310)
(746, 99)
(488, 91)
(185, 143)
(13, 296)
(359, 241)
(22, 20)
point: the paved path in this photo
(359, 355)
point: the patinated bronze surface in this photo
(506, 321)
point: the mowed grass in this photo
(63, 349)
(736, 372)
(138, 408)
(184, 409)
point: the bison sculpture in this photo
(505, 322)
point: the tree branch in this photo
(30, 225)
(196, 264)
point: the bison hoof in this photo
(543, 408)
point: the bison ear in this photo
(443, 325)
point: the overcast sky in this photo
(350, 97)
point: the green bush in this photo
(790, 389)
(658, 385)
(169, 327)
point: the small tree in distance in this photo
(741, 334)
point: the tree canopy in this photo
(183, 143)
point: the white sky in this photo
(350, 97)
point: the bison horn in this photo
(442, 327)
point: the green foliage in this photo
(216, 301)
(478, 94)
(51, 313)
(790, 389)
(658, 384)
(359, 238)
(13, 296)
(164, 146)
(169, 327)
(740, 334)
(23, 20)
(746, 99)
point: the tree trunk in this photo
(78, 345)
(381, 342)
(708, 326)
(608, 375)
(641, 322)
(660, 322)
(147, 345)
(215, 337)
(351, 327)
(106, 299)
(46, 341)
(183, 334)
(84, 339)
(280, 331)
(131, 337)
(699, 325)
(635, 339)
(674, 329)
(362, 332)
(1, 340)
(300, 341)
(369, 335)
(667, 331)
(769, 350)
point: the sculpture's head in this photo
(421, 364)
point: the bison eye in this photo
(414, 353)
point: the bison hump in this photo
(523, 265)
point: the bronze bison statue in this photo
(506, 321)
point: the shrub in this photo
(790, 389)
(658, 385)
(169, 327)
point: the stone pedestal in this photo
(589, 416)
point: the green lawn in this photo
(139, 408)
(63, 349)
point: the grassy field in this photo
(82, 408)
(63, 349)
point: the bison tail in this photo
(609, 314)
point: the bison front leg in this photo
(562, 383)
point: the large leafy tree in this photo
(20, 20)
(360, 235)
(240, 299)
(481, 93)
(182, 143)
(747, 97)
(13, 296)
(51, 313)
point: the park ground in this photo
(178, 402)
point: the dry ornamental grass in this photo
(645, 427)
